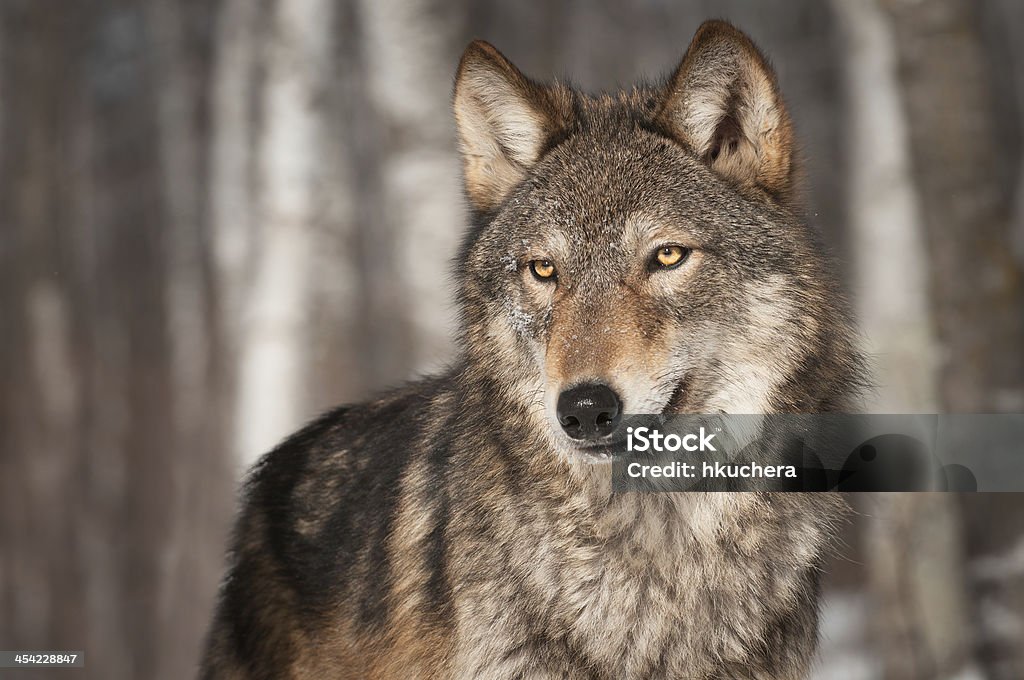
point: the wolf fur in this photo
(450, 529)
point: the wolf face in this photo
(639, 253)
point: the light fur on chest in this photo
(683, 582)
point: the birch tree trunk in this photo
(977, 285)
(913, 544)
(291, 206)
(409, 52)
(976, 282)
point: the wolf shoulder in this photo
(309, 548)
(357, 450)
(320, 505)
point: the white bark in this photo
(273, 397)
(410, 87)
(886, 233)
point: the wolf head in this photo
(639, 252)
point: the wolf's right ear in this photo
(504, 122)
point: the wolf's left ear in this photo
(504, 121)
(723, 102)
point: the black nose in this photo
(589, 411)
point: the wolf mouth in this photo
(677, 400)
(600, 452)
(595, 455)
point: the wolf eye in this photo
(669, 257)
(543, 270)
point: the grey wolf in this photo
(640, 252)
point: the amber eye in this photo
(543, 270)
(669, 257)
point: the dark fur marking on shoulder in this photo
(438, 588)
(254, 637)
(269, 489)
(275, 479)
(344, 562)
(349, 557)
